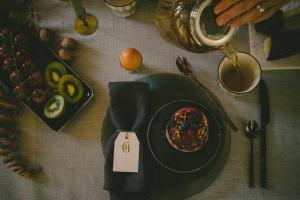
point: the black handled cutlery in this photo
(251, 132)
(264, 121)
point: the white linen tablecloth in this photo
(72, 159)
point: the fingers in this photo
(265, 15)
(245, 11)
(250, 15)
(269, 12)
(224, 5)
(236, 10)
(246, 18)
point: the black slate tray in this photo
(42, 55)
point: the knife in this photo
(264, 120)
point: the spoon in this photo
(251, 131)
(186, 69)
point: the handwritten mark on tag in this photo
(126, 153)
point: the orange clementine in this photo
(131, 59)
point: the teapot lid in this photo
(204, 28)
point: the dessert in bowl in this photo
(187, 130)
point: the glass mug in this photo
(242, 79)
(85, 23)
(122, 8)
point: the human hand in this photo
(239, 12)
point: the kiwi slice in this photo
(55, 107)
(54, 72)
(70, 88)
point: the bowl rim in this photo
(176, 170)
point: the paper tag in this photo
(126, 153)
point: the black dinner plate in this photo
(166, 184)
(172, 159)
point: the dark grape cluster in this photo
(27, 81)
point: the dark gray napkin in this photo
(128, 105)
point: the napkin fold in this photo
(128, 109)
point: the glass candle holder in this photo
(122, 8)
(85, 23)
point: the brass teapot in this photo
(191, 24)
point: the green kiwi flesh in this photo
(70, 88)
(54, 72)
(55, 107)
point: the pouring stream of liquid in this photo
(236, 76)
(232, 56)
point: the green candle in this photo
(84, 23)
(78, 7)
